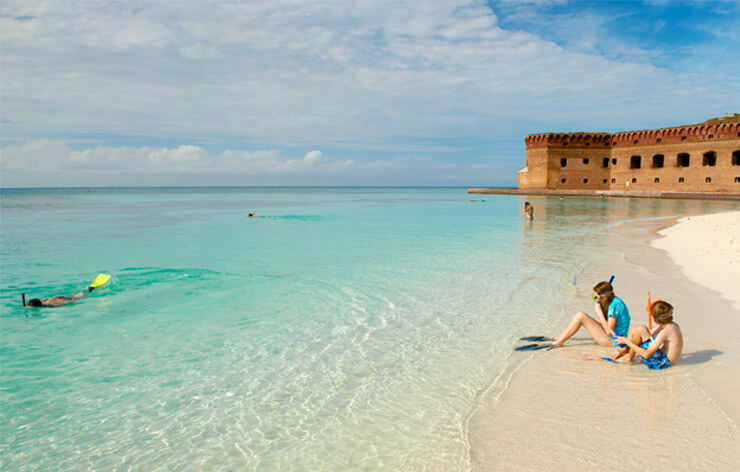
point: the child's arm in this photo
(609, 324)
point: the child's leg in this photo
(593, 327)
(638, 335)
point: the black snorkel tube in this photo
(23, 295)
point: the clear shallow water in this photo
(346, 329)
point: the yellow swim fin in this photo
(99, 281)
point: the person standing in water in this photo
(528, 211)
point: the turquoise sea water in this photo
(345, 329)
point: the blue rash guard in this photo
(618, 310)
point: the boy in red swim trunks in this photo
(659, 349)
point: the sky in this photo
(104, 93)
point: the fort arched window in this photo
(710, 159)
(635, 162)
(614, 162)
(586, 160)
(736, 158)
(683, 159)
(658, 161)
(562, 181)
(605, 164)
(585, 181)
(708, 180)
(563, 162)
(680, 180)
(657, 180)
(614, 181)
(634, 180)
(737, 180)
(604, 181)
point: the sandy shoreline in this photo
(560, 411)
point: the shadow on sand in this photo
(699, 357)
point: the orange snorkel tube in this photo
(650, 311)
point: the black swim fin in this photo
(534, 347)
(537, 339)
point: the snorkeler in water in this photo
(61, 300)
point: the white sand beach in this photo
(707, 248)
(563, 412)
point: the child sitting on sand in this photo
(659, 349)
(612, 320)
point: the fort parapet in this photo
(701, 159)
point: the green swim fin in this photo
(99, 281)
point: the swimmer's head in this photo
(35, 302)
(662, 312)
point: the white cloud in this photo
(384, 75)
(312, 156)
(54, 163)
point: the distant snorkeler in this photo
(61, 300)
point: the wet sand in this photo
(560, 411)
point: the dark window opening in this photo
(562, 181)
(586, 160)
(737, 180)
(710, 159)
(635, 162)
(563, 162)
(658, 161)
(680, 180)
(657, 180)
(614, 181)
(634, 180)
(606, 162)
(736, 158)
(659, 140)
(708, 180)
(636, 141)
(683, 138)
(683, 160)
(614, 162)
(585, 181)
(604, 181)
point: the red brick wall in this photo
(583, 155)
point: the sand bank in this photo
(707, 248)
(562, 412)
